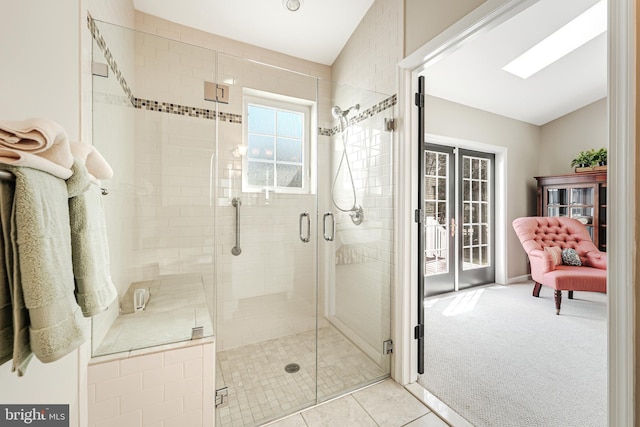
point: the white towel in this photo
(39, 136)
(96, 164)
(29, 160)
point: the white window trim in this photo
(309, 138)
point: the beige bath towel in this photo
(96, 164)
(39, 136)
(24, 159)
(94, 288)
(44, 273)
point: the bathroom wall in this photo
(40, 77)
(425, 19)
(562, 139)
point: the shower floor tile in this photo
(260, 389)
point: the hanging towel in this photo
(93, 285)
(18, 348)
(43, 277)
(39, 136)
(20, 158)
(96, 164)
(6, 269)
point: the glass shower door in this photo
(355, 199)
(266, 214)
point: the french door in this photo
(458, 223)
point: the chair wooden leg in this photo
(570, 294)
(558, 297)
(536, 289)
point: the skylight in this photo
(585, 27)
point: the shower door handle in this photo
(235, 251)
(305, 238)
(329, 237)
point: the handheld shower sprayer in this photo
(338, 113)
(355, 212)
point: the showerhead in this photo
(338, 113)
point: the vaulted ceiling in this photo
(471, 76)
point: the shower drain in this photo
(292, 367)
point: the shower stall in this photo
(252, 207)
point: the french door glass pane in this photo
(475, 199)
(436, 205)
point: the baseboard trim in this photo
(518, 279)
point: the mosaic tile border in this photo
(102, 44)
(389, 102)
(185, 110)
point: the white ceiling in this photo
(316, 32)
(471, 76)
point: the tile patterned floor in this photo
(260, 389)
(385, 404)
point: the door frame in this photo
(622, 174)
(499, 195)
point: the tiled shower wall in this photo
(366, 261)
(363, 253)
(174, 387)
(174, 215)
(171, 198)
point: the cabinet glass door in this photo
(575, 202)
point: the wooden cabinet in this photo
(582, 196)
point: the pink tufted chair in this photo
(536, 233)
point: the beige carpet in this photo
(500, 357)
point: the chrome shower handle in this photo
(329, 237)
(236, 204)
(304, 238)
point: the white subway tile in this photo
(138, 364)
(177, 389)
(119, 386)
(105, 410)
(161, 412)
(157, 377)
(132, 402)
(100, 372)
(193, 368)
(133, 419)
(192, 402)
(192, 419)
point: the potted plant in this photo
(599, 160)
(583, 161)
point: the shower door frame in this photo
(308, 227)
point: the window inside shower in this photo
(276, 143)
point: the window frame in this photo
(283, 103)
